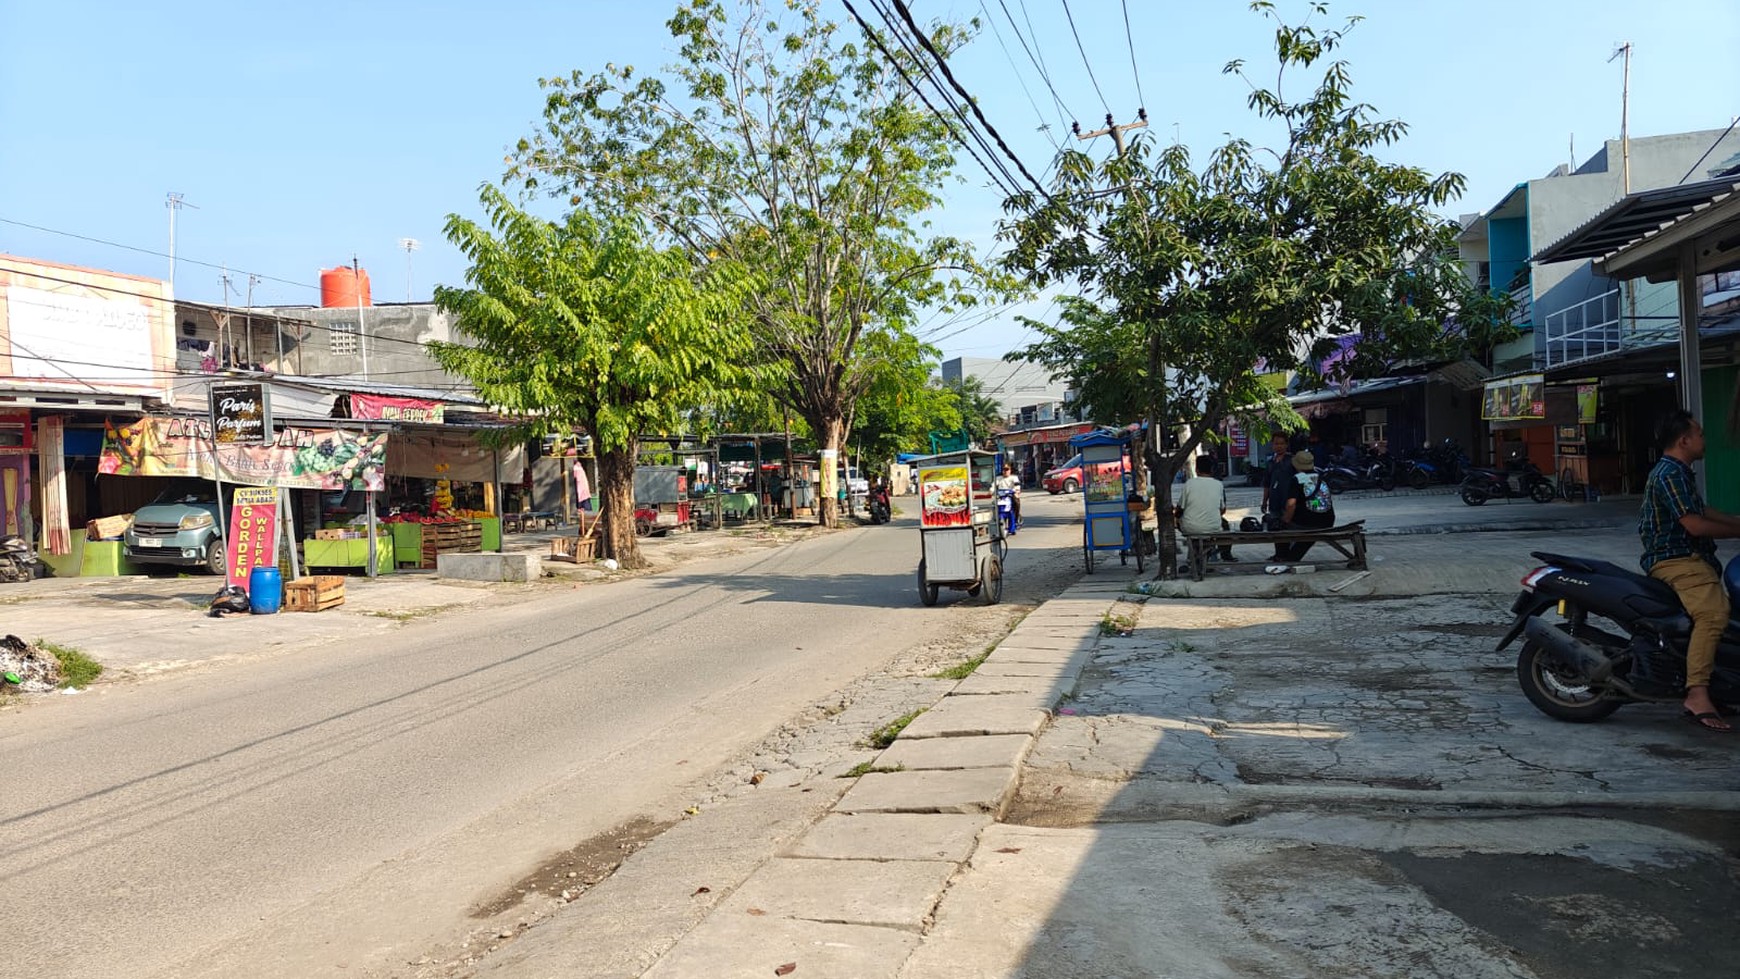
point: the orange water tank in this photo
(344, 286)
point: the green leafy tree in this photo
(581, 323)
(902, 404)
(980, 414)
(1263, 259)
(773, 144)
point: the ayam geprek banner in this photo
(299, 458)
(253, 532)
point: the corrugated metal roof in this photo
(1635, 218)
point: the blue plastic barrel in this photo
(265, 590)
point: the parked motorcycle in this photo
(1577, 670)
(1367, 474)
(17, 561)
(1483, 484)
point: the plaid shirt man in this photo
(1670, 494)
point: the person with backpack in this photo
(1309, 506)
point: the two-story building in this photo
(1570, 392)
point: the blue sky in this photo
(307, 133)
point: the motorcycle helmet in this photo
(1250, 525)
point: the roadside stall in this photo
(961, 540)
(1110, 522)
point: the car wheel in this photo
(1070, 486)
(215, 557)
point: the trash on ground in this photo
(37, 670)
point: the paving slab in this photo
(1035, 640)
(741, 946)
(1048, 689)
(892, 836)
(944, 754)
(963, 717)
(885, 893)
(1015, 667)
(970, 790)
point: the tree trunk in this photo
(829, 432)
(616, 497)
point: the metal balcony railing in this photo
(1597, 327)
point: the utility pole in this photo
(1157, 427)
(362, 338)
(175, 203)
(248, 320)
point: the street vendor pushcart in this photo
(1113, 516)
(963, 544)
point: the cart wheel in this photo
(991, 576)
(927, 592)
(1087, 552)
(643, 528)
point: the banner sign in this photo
(1588, 403)
(241, 414)
(253, 532)
(416, 410)
(1515, 399)
(298, 458)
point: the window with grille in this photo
(341, 334)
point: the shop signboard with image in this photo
(296, 458)
(943, 497)
(241, 414)
(253, 533)
(1515, 399)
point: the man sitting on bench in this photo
(1309, 506)
(1201, 507)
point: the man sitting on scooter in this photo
(1679, 536)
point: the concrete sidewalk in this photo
(856, 879)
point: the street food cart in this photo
(963, 544)
(1111, 520)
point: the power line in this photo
(1008, 180)
(1044, 126)
(871, 35)
(1033, 54)
(148, 251)
(906, 15)
(1084, 58)
(1712, 149)
(1130, 39)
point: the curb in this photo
(856, 892)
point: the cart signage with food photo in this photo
(944, 498)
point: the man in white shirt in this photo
(1201, 507)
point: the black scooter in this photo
(880, 512)
(17, 561)
(1481, 485)
(1575, 669)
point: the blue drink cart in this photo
(1109, 525)
(962, 541)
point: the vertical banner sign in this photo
(830, 479)
(253, 533)
(241, 414)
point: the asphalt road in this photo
(343, 808)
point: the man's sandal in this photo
(1710, 721)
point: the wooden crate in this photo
(314, 594)
(456, 538)
(577, 549)
(108, 528)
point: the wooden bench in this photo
(1349, 539)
